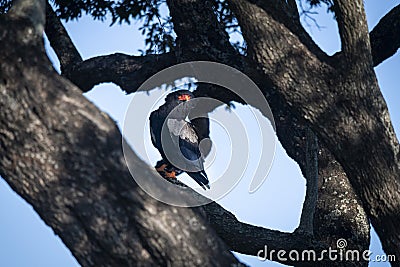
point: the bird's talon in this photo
(171, 175)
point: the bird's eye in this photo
(184, 97)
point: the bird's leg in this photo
(170, 174)
(166, 170)
(161, 168)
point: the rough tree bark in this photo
(67, 161)
(346, 110)
(64, 156)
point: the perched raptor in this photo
(177, 139)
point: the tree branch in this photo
(353, 31)
(128, 72)
(385, 37)
(60, 41)
(339, 209)
(311, 174)
(249, 239)
(287, 15)
(283, 60)
(292, 10)
(200, 36)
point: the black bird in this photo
(176, 138)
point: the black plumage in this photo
(177, 139)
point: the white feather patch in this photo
(182, 129)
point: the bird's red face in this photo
(184, 97)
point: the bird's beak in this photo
(184, 97)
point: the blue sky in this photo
(26, 241)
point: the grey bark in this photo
(340, 100)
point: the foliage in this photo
(156, 27)
(317, 3)
(153, 15)
(5, 6)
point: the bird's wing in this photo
(188, 141)
(155, 129)
(191, 151)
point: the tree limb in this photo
(249, 239)
(200, 36)
(353, 31)
(339, 210)
(285, 14)
(292, 10)
(285, 63)
(311, 174)
(128, 72)
(385, 37)
(60, 41)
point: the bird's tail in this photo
(200, 178)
